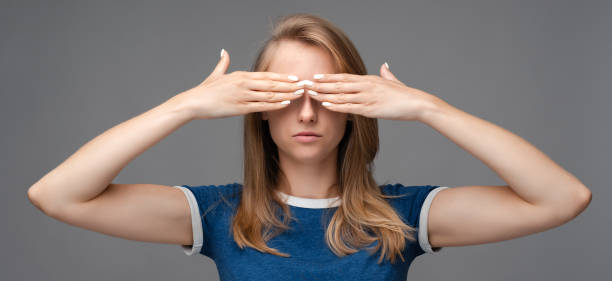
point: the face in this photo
(304, 113)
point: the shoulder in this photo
(406, 191)
(413, 206)
(410, 200)
(212, 195)
(224, 188)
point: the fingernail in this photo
(326, 103)
(298, 92)
(313, 93)
(286, 102)
(222, 51)
(307, 82)
(293, 78)
(318, 76)
(387, 65)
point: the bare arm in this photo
(90, 170)
(79, 191)
(539, 194)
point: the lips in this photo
(307, 133)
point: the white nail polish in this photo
(307, 82)
(387, 65)
(326, 103)
(221, 54)
(298, 92)
(286, 102)
(293, 78)
(318, 76)
(312, 93)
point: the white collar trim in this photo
(312, 203)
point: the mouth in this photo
(307, 134)
(306, 138)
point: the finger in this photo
(387, 74)
(267, 75)
(344, 107)
(336, 77)
(221, 67)
(259, 96)
(337, 87)
(266, 106)
(339, 98)
(222, 64)
(271, 86)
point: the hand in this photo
(372, 96)
(240, 92)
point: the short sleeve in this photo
(423, 234)
(414, 206)
(196, 223)
(207, 204)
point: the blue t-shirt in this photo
(212, 208)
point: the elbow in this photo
(567, 208)
(33, 197)
(584, 199)
(36, 198)
(579, 202)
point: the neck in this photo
(314, 179)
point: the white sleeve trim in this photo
(196, 224)
(422, 231)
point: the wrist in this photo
(432, 106)
(178, 105)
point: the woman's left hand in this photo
(372, 96)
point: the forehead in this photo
(301, 59)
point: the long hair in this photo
(364, 216)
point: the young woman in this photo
(309, 207)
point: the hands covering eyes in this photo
(240, 92)
(372, 96)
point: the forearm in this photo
(528, 171)
(88, 171)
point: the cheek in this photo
(278, 130)
(339, 120)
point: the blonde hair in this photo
(364, 216)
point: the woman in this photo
(309, 207)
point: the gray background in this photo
(70, 71)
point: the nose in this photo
(307, 108)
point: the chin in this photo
(313, 156)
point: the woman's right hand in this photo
(223, 95)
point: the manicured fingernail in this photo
(286, 102)
(221, 54)
(298, 92)
(317, 76)
(307, 82)
(387, 65)
(313, 93)
(293, 78)
(326, 103)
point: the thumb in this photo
(222, 65)
(386, 73)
